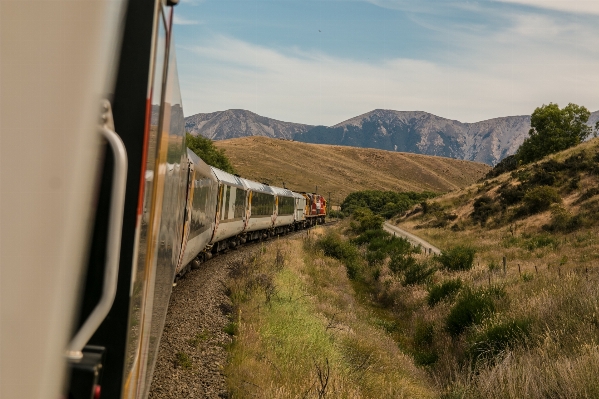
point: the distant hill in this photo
(341, 170)
(235, 123)
(417, 132)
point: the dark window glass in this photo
(262, 204)
(286, 206)
(198, 223)
(239, 203)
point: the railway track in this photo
(192, 351)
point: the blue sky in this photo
(325, 61)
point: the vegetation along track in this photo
(192, 350)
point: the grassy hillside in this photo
(341, 170)
(529, 330)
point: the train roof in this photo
(255, 186)
(199, 164)
(282, 191)
(227, 178)
(297, 195)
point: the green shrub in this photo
(496, 338)
(493, 266)
(400, 263)
(510, 195)
(430, 207)
(562, 220)
(484, 208)
(471, 307)
(457, 258)
(423, 353)
(439, 292)
(384, 203)
(541, 241)
(540, 198)
(230, 328)
(423, 334)
(381, 244)
(332, 245)
(412, 271)
(417, 273)
(183, 360)
(554, 129)
(425, 357)
(526, 277)
(507, 164)
(207, 151)
(335, 247)
(366, 220)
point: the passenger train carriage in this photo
(110, 206)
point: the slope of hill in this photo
(542, 220)
(341, 170)
(234, 123)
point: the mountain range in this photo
(417, 132)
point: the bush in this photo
(541, 241)
(554, 129)
(471, 308)
(457, 258)
(183, 360)
(484, 208)
(400, 263)
(417, 273)
(381, 244)
(384, 203)
(332, 245)
(412, 271)
(439, 292)
(423, 354)
(430, 207)
(507, 164)
(562, 220)
(367, 220)
(540, 198)
(510, 195)
(496, 338)
(207, 151)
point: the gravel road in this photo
(410, 237)
(197, 313)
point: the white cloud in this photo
(179, 20)
(511, 78)
(573, 6)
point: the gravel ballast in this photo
(192, 350)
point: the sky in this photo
(321, 62)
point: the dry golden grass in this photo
(312, 339)
(342, 170)
(551, 280)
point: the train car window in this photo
(239, 203)
(286, 206)
(201, 189)
(262, 204)
(225, 214)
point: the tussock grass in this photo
(537, 336)
(312, 339)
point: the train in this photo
(102, 205)
(224, 211)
